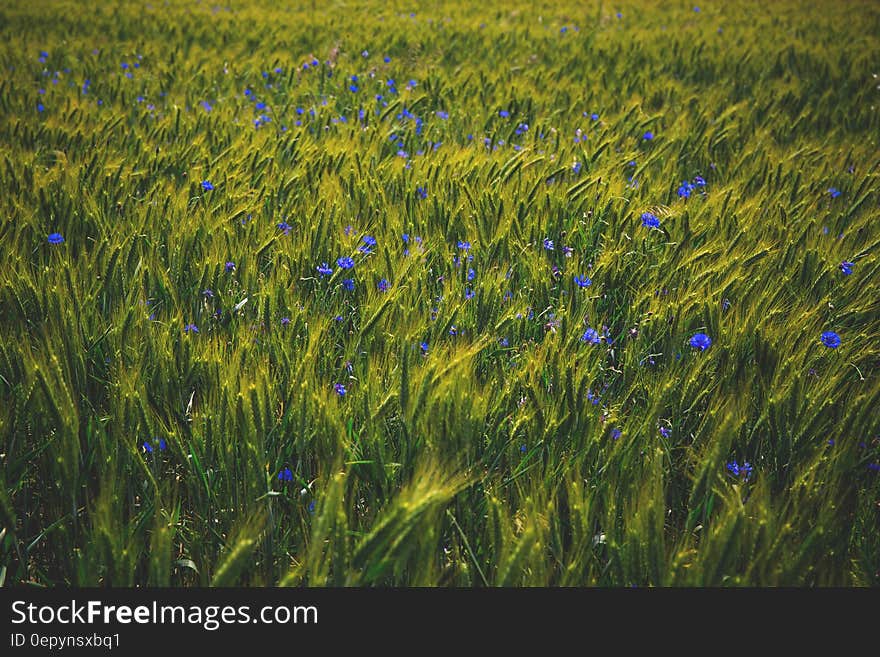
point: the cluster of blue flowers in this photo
(687, 188)
(157, 444)
(743, 471)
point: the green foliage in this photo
(489, 459)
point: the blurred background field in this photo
(457, 294)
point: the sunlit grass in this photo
(166, 419)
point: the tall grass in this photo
(505, 450)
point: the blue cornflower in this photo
(523, 448)
(831, 339)
(340, 389)
(369, 243)
(503, 114)
(665, 432)
(208, 293)
(834, 192)
(745, 470)
(348, 284)
(55, 238)
(504, 342)
(285, 321)
(424, 347)
(345, 262)
(699, 181)
(386, 59)
(648, 136)
(40, 107)
(464, 245)
(685, 189)
(846, 267)
(230, 266)
(650, 220)
(471, 275)
(469, 293)
(190, 328)
(576, 167)
(548, 244)
(700, 341)
(284, 226)
(383, 285)
(616, 433)
(285, 475)
(422, 192)
(147, 447)
(440, 114)
(582, 281)
(207, 186)
(323, 269)
(591, 336)
(594, 117)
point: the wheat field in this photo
(439, 294)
